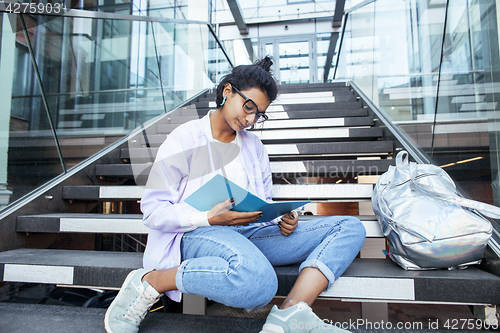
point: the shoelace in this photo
(139, 308)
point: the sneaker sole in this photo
(106, 317)
(271, 328)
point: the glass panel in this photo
(269, 49)
(28, 152)
(179, 9)
(359, 54)
(465, 141)
(448, 108)
(218, 64)
(184, 52)
(237, 51)
(392, 52)
(102, 78)
(97, 88)
(294, 62)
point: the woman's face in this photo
(233, 111)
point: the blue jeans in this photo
(234, 265)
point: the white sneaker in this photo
(131, 304)
(297, 319)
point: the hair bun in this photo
(265, 63)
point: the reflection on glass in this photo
(178, 9)
(102, 78)
(292, 58)
(469, 89)
(443, 96)
(294, 62)
(269, 48)
(362, 55)
(28, 151)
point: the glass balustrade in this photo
(101, 76)
(432, 67)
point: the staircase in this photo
(324, 145)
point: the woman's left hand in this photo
(288, 223)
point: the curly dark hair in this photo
(244, 77)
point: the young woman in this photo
(221, 254)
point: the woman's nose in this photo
(250, 118)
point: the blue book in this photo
(219, 189)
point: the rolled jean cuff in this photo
(178, 277)
(322, 268)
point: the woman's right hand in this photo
(222, 215)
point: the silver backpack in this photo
(428, 225)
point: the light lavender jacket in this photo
(186, 161)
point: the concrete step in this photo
(311, 168)
(102, 269)
(275, 123)
(325, 106)
(365, 279)
(296, 135)
(316, 123)
(330, 168)
(126, 223)
(299, 104)
(345, 95)
(82, 223)
(294, 88)
(383, 280)
(305, 98)
(320, 149)
(31, 318)
(330, 192)
(300, 150)
(340, 95)
(281, 112)
(328, 134)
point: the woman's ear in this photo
(228, 89)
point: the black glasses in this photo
(250, 107)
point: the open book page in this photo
(219, 189)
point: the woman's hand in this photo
(222, 215)
(288, 223)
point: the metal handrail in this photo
(344, 22)
(220, 45)
(439, 78)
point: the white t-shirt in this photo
(235, 170)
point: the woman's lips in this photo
(241, 124)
